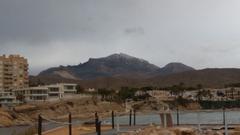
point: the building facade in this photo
(233, 93)
(61, 90)
(46, 93)
(32, 94)
(13, 72)
(7, 99)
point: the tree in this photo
(178, 90)
(79, 89)
(147, 88)
(199, 86)
(203, 93)
(126, 93)
(106, 94)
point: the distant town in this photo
(14, 88)
(21, 103)
(119, 67)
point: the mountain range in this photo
(115, 65)
(119, 70)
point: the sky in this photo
(198, 33)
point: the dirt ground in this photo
(76, 130)
(157, 130)
(83, 108)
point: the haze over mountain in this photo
(114, 65)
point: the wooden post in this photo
(164, 120)
(70, 124)
(39, 125)
(226, 129)
(224, 115)
(224, 122)
(99, 128)
(199, 121)
(96, 121)
(130, 118)
(118, 126)
(113, 124)
(177, 116)
(134, 117)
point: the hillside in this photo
(173, 68)
(81, 108)
(207, 77)
(119, 70)
(113, 65)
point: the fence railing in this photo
(41, 118)
(131, 119)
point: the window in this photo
(69, 87)
(54, 89)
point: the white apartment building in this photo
(7, 99)
(33, 93)
(47, 92)
(61, 90)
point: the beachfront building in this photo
(160, 94)
(7, 99)
(90, 90)
(45, 93)
(140, 93)
(55, 92)
(232, 93)
(61, 90)
(32, 94)
(13, 72)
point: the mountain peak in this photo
(176, 64)
(121, 55)
(117, 64)
(115, 56)
(174, 67)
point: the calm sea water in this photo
(216, 117)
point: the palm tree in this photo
(203, 93)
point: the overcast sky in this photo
(199, 33)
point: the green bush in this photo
(219, 104)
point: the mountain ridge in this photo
(210, 78)
(117, 64)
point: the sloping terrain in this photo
(206, 77)
(214, 78)
(83, 108)
(115, 65)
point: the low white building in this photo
(33, 93)
(160, 94)
(47, 92)
(7, 99)
(61, 90)
(90, 90)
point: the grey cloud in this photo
(40, 21)
(55, 32)
(135, 30)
